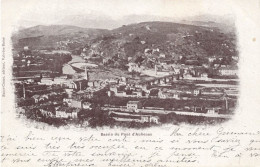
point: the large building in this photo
(66, 112)
(133, 105)
(228, 71)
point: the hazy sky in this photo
(48, 11)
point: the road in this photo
(154, 111)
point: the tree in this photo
(83, 114)
(183, 60)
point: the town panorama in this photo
(135, 76)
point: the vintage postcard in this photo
(138, 83)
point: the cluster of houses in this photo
(67, 107)
(27, 62)
(135, 111)
(64, 97)
(171, 64)
(127, 91)
(138, 107)
(64, 45)
(184, 93)
(130, 117)
(58, 97)
(76, 84)
(187, 71)
(228, 71)
(129, 113)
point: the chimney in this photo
(109, 93)
(226, 104)
(86, 73)
(80, 87)
(69, 92)
(24, 92)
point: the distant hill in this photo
(131, 40)
(170, 38)
(49, 35)
(54, 30)
(98, 20)
(226, 23)
(90, 21)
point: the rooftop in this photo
(132, 102)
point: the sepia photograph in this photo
(130, 75)
(136, 71)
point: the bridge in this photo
(162, 80)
